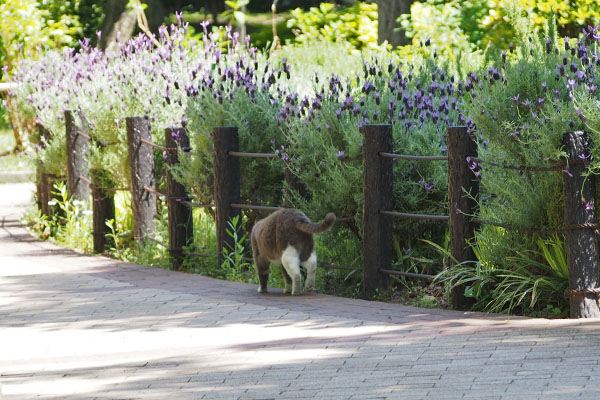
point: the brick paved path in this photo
(75, 326)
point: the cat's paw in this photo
(309, 289)
(262, 290)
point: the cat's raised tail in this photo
(310, 227)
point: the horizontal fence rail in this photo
(253, 155)
(413, 157)
(415, 216)
(254, 207)
(407, 274)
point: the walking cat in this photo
(286, 238)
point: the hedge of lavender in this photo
(518, 106)
(522, 104)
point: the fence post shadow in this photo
(226, 185)
(180, 219)
(378, 195)
(463, 189)
(581, 227)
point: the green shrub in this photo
(356, 25)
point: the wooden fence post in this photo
(77, 165)
(582, 246)
(45, 194)
(377, 196)
(103, 208)
(463, 189)
(227, 184)
(141, 163)
(41, 190)
(181, 224)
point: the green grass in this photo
(12, 162)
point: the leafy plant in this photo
(235, 13)
(235, 267)
(355, 25)
(71, 221)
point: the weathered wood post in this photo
(103, 208)
(181, 224)
(41, 190)
(46, 187)
(580, 210)
(227, 185)
(77, 165)
(463, 189)
(141, 164)
(377, 196)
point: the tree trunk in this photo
(118, 25)
(17, 123)
(214, 7)
(389, 11)
(155, 14)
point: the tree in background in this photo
(388, 13)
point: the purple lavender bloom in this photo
(516, 99)
(340, 154)
(427, 185)
(573, 67)
(544, 87)
(540, 102)
(580, 115)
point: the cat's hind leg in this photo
(288, 281)
(290, 260)
(262, 269)
(311, 272)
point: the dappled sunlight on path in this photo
(76, 326)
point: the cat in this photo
(286, 238)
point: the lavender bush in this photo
(522, 105)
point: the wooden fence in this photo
(580, 229)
